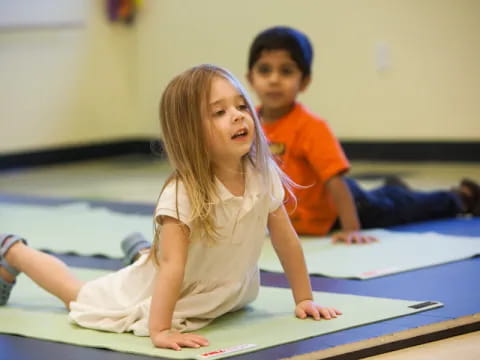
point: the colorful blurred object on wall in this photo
(123, 11)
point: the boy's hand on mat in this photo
(170, 339)
(307, 308)
(352, 237)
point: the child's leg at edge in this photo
(45, 270)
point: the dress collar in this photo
(253, 186)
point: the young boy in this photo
(279, 68)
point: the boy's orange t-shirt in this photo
(309, 153)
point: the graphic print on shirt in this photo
(277, 149)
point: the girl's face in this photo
(228, 124)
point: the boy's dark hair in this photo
(283, 38)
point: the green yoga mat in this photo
(268, 322)
(73, 228)
(395, 252)
(84, 230)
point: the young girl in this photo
(210, 226)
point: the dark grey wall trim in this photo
(413, 151)
(78, 153)
(355, 150)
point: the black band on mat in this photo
(423, 304)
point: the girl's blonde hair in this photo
(183, 105)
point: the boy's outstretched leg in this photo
(395, 204)
(45, 270)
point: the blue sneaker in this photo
(132, 245)
(6, 242)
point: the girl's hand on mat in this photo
(309, 308)
(170, 339)
(352, 237)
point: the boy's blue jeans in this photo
(391, 205)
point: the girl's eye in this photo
(218, 113)
(243, 107)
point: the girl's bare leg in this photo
(45, 270)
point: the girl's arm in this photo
(347, 212)
(287, 246)
(168, 283)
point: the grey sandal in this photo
(132, 245)
(6, 242)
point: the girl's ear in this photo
(305, 82)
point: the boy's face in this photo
(277, 80)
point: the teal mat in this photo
(73, 228)
(268, 322)
(394, 253)
(80, 229)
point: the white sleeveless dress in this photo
(218, 278)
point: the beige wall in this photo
(71, 85)
(103, 82)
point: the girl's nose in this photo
(238, 115)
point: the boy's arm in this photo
(168, 283)
(287, 246)
(347, 212)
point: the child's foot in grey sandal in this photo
(132, 245)
(7, 281)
